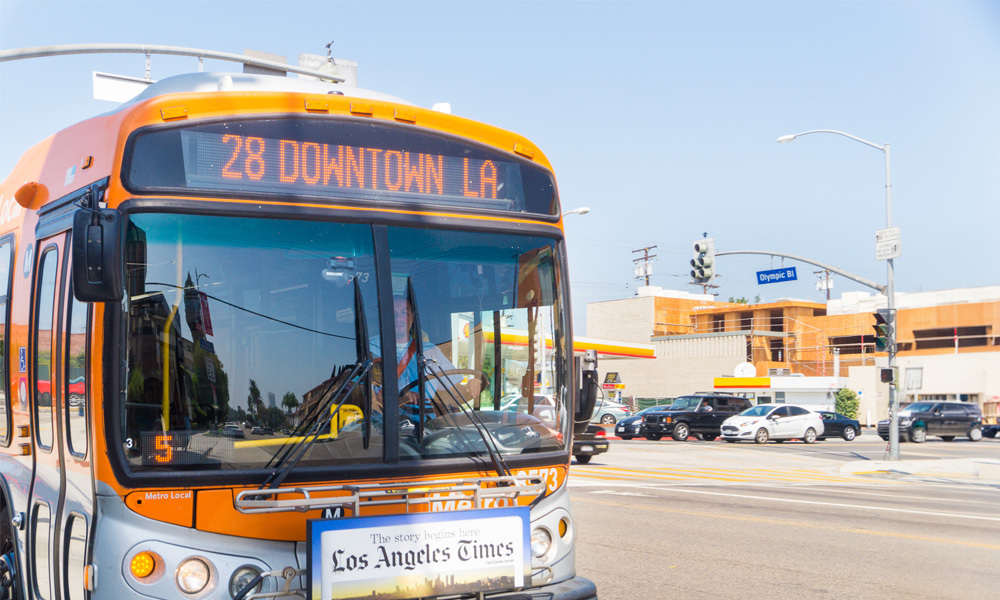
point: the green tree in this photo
(847, 403)
(237, 414)
(273, 417)
(136, 386)
(212, 396)
(289, 401)
(741, 300)
(255, 402)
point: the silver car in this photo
(609, 412)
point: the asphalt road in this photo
(830, 520)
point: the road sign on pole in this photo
(888, 243)
(776, 275)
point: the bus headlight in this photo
(192, 575)
(541, 542)
(240, 579)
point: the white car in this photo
(778, 422)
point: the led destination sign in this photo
(220, 159)
(338, 159)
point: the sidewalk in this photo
(981, 470)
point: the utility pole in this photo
(645, 269)
(824, 282)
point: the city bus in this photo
(268, 337)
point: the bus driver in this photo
(407, 368)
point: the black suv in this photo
(587, 444)
(946, 420)
(700, 414)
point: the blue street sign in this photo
(776, 275)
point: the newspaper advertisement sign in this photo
(418, 555)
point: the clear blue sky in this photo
(660, 116)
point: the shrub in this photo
(847, 403)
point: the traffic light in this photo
(702, 264)
(884, 327)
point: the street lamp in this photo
(890, 287)
(577, 211)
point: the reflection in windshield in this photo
(685, 403)
(242, 333)
(250, 321)
(490, 323)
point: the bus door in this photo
(45, 497)
(77, 501)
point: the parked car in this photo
(593, 441)
(233, 431)
(631, 427)
(609, 412)
(838, 424)
(991, 431)
(946, 420)
(778, 422)
(543, 407)
(697, 414)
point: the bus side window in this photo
(76, 378)
(41, 528)
(6, 255)
(76, 555)
(43, 348)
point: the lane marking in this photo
(839, 505)
(617, 493)
(908, 496)
(708, 484)
(791, 475)
(792, 523)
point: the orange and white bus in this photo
(253, 341)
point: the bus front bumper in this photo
(578, 588)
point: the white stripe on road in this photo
(836, 504)
(840, 490)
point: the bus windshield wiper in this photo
(349, 379)
(491, 445)
(424, 366)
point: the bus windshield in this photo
(247, 340)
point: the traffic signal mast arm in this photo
(852, 277)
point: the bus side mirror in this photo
(586, 397)
(98, 267)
